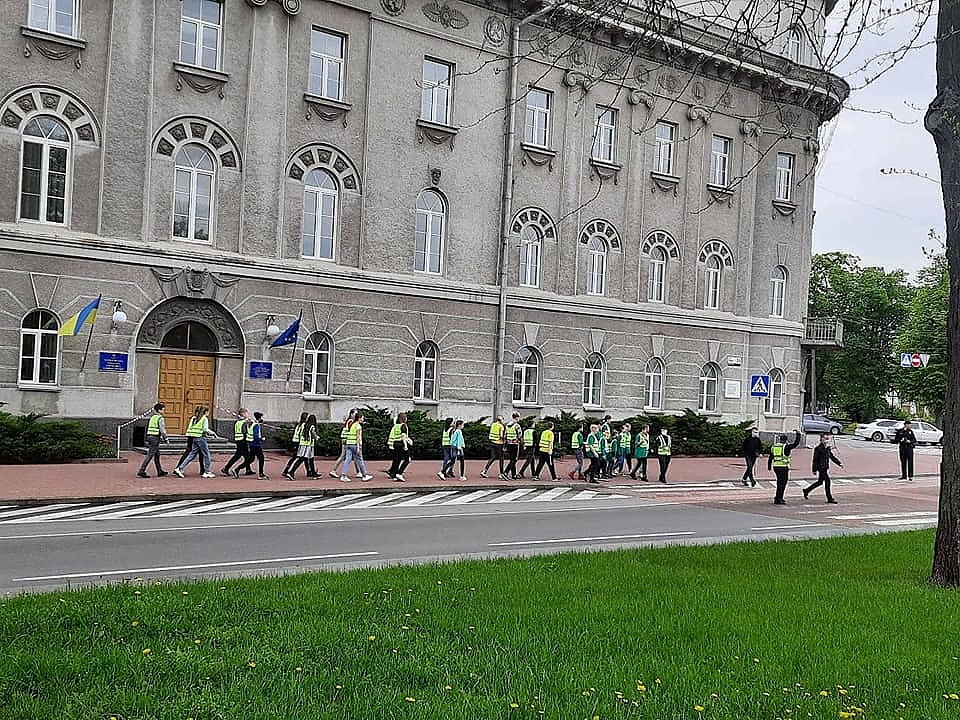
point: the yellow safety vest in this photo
(396, 433)
(592, 446)
(663, 446)
(496, 433)
(780, 458)
(625, 441)
(351, 434)
(153, 427)
(240, 430)
(546, 441)
(577, 440)
(195, 428)
(343, 433)
(297, 431)
(445, 438)
(305, 439)
(528, 437)
(513, 433)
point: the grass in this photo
(837, 628)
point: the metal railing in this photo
(823, 331)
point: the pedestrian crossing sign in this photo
(759, 385)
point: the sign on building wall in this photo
(112, 362)
(260, 370)
(731, 389)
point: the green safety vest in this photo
(153, 427)
(513, 433)
(642, 445)
(496, 433)
(663, 446)
(240, 430)
(592, 445)
(195, 427)
(780, 458)
(577, 440)
(528, 437)
(351, 434)
(546, 441)
(396, 433)
(297, 431)
(445, 438)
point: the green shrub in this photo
(27, 439)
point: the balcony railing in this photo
(823, 332)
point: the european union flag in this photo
(288, 336)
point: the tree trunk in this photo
(943, 122)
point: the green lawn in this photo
(833, 628)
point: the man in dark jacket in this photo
(779, 461)
(822, 457)
(752, 449)
(905, 440)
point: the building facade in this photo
(636, 237)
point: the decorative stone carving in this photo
(659, 238)
(699, 90)
(393, 7)
(191, 129)
(641, 74)
(718, 248)
(200, 79)
(52, 46)
(784, 207)
(698, 113)
(290, 7)
(721, 194)
(537, 155)
(601, 228)
(435, 133)
(534, 216)
(326, 109)
(725, 99)
(605, 170)
(640, 97)
(445, 15)
(811, 145)
(177, 310)
(495, 30)
(789, 117)
(669, 81)
(664, 183)
(574, 78)
(69, 109)
(330, 159)
(750, 128)
(435, 174)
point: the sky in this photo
(883, 219)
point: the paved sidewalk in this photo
(116, 480)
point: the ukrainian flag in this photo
(73, 326)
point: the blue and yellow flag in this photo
(73, 326)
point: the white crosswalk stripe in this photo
(132, 509)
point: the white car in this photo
(886, 429)
(924, 431)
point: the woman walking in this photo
(355, 451)
(399, 442)
(457, 447)
(641, 448)
(337, 470)
(256, 447)
(308, 436)
(186, 450)
(446, 468)
(295, 441)
(198, 429)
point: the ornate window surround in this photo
(327, 157)
(19, 107)
(191, 129)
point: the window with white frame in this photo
(665, 140)
(653, 384)
(326, 64)
(605, 134)
(536, 128)
(593, 380)
(44, 171)
(436, 91)
(778, 288)
(709, 383)
(431, 222)
(713, 276)
(55, 16)
(425, 371)
(526, 376)
(201, 27)
(193, 187)
(531, 241)
(657, 274)
(784, 190)
(773, 403)
(720, 161)
(316, 364)
(795, 44)
(39, 348)
(596, 265)
(320, 196)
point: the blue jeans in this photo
(199, 447)
(353, 454)
(578, 453)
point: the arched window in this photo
(593, 380)
(596, 266)
(320, 196)
(795, 44)
(44, 170)
(773, 404)
(526, 376)
(425, 371)
(192, 336)
(193, 194)
(657, 274)
(39, 348)
(431, 222)
(778, 288)
(531, 240)
(713, 276)
(709, 383)
(316, 364)
(653, 384)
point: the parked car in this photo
(878, 430)
(819, 423)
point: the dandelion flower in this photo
(410, 699)
(641, 688)
(136, 592)
(514, 706)
(298, 669)
(147, 651)
(823, 693)
(135, 623)
(447, 687)
(954, 696)
(251, 664)
(372, 637)
(698, 708)
(197, 641)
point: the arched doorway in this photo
(187, 368)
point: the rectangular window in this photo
(666, 134)
(536, 129)
(784, 189)
(436, 92)
(326, 64)
(55, 16)
(605, 134)
(200, 29)
(720, 161)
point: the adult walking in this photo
(623, 450)
(399, 442)
(156, 434)
(529, 449)
(664, 451)
(592, 450)
(446, 449)
(189, 448)
(354, 451)
(305, 449)
(545, 453)
(198, 429)
(457, 448)
(512, 434)
(641, 448)
(906, 440)
(256, 448)
(751, 449)
(241, 438)
(295, 441)
(779, 462)
(340, 467)
(576, 444)
(498, 439)
(822, 457)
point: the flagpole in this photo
(294, 353)
(83, 362)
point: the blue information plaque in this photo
(261, 370)
(112, 362)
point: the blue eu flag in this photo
(288, 336)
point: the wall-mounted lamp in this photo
(119, 316)
(273, 330)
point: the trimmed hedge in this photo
(692, 434)
(27, 439)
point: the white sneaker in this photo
(463, 478)
(332, 474)
(441, 476)
(178, 472)
(207, 475)
(344, 478)
(366, 478)
(400, 478)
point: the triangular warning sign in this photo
(759, 387)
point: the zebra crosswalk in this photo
(727, 485)
(133, 509)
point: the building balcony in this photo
(823, 332)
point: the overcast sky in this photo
(883, 219)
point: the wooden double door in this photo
(185, 381)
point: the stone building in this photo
(634, 234)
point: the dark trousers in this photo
(748, 473)
(593, 469)
(401, 458)
(783, 476)
(641, 467)
(241, 454)
(906, 462)
(545, 458)
(496, 455)
(529, 462)
(447, 467)
(664, 464)
(153, 453)
(186, 453)
(254, 453)
(823, 478)
(513, 452)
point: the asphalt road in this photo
(63, 549)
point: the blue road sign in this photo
(759, 385)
